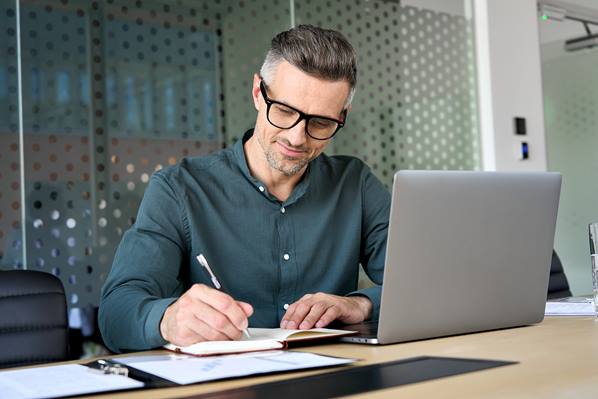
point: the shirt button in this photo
(285, 306)
(261, 188)
(286, 257)
(282, 210)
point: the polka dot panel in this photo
(75, 219)
(10, 189)
(415, 105)
(163, 60)
(247, 30)
(86, 176)
(570, 87)
(59, 216)
(55, 68)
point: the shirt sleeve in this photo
(144, 279)
(375, 215)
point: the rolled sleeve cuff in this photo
(373, 294)
(153, 338)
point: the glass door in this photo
(570, 83)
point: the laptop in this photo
(466, 252)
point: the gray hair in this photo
(322, 53)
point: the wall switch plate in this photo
(520, 126)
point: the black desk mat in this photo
(354, 380)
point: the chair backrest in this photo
(558, 286)
(33, 318)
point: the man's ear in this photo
(255, 91)
(348, 109)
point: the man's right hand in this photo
(204, 314)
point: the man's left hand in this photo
(318, 310)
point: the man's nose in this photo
(297, 135)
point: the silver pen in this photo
(204, 263)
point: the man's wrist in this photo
(364, 303)
(163, 328)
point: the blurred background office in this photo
(97, 95)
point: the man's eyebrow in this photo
(317, 115)
(269, 92)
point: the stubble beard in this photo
(277, 164)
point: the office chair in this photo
(558, 286)
(33, 318)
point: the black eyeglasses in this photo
(285, 117)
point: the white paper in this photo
(220, 347)
(184, 369)
(57, 381)
(568, 308)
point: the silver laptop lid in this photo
(466, 252)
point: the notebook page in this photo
(216, 347)
(281, 334)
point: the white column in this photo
(509, 83)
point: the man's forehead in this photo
(294, 87)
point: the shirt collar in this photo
(299, 189)
(240, 154)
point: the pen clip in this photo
(202, 261)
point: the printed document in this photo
(59, 381)
(571, 306)
(184, 369)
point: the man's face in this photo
(290, 150)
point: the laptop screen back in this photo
(466, 252)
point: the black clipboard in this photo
(108, 366)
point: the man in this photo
(283, 226)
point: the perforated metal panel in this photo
(570, 85)
(415, 105)
(247, 29)
(10, 186)
(113, 90)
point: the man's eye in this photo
(286, 111)
(321, 123)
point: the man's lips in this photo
(289, 151)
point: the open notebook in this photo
(260, 339)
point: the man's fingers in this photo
(247, 308)
(223, 303)
(220, 326)
(328, 317)
(316, 311)
(284, 323)
(181, 326)
(204, 314)
(296, 313)
(321, 309)
(201, 332)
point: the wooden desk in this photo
(558, 358)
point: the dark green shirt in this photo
(266, 252)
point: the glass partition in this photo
(11, 242)
(415, 105)
(570, 84)
(114, 90)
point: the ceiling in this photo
(551, 30)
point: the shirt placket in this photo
(287, 261)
